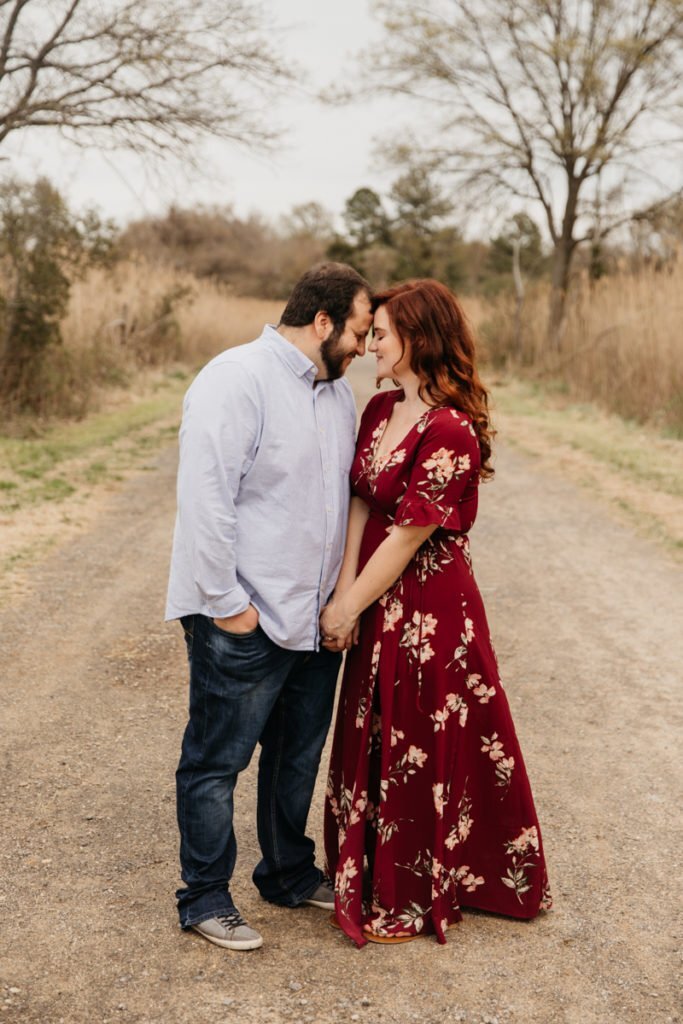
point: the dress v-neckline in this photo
(376, 464)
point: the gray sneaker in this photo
(323, 896)
(230, 931)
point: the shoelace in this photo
(233, 919)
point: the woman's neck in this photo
(411, 393)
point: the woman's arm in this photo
(358, 517)
(381, 571)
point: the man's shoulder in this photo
(239, 366)
(247, 355)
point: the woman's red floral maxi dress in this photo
(426, 778)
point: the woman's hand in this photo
(338, 626)
(347, 643)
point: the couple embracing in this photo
(292, 545)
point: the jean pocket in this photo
(187, 622)
(231, 657)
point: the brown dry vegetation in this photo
(622, 346)
(127, 320)
(146, 314)
(621, 349)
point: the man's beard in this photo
(332, 356)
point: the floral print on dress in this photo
(443, 878)
(480, 690)
(415, 636)
(455, 704)
(407, 765)
(524, 853)
(432, 557)
(441, 467)
(504, 765)
(460, 831)
(371, 464)
(368, 465)
(342, 881)
(466, 637)
(427, 783)
(393, 611)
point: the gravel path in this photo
(583, 614)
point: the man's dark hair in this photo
(328, 287)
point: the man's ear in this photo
(322, 324)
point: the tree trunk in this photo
(562, 261)
(558, 294)
(519, 294)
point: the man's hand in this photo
(245, 622)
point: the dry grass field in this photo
(622, 347)
(141, 315)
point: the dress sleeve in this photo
(445, 463)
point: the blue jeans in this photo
(245, 690)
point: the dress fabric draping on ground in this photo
(428, 805)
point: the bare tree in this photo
(148, 75)
(542, 100)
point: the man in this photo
(266, 445)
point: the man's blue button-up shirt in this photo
(263, 490)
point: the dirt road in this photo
(93, 705)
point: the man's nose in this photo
(360, 347)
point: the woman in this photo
(427, 785)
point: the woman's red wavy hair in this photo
(428, 316)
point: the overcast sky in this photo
(327, 152)
(325, 155)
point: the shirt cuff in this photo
(233, 603)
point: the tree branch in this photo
(179, 69)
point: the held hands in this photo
(245, 622)
(338, 626)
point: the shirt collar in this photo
(299, 363)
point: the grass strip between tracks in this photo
(636, 469)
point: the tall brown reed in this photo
(152, 314)
(135, 316)
(622, 345)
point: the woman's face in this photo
(392, 360)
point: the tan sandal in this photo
(389, 939)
